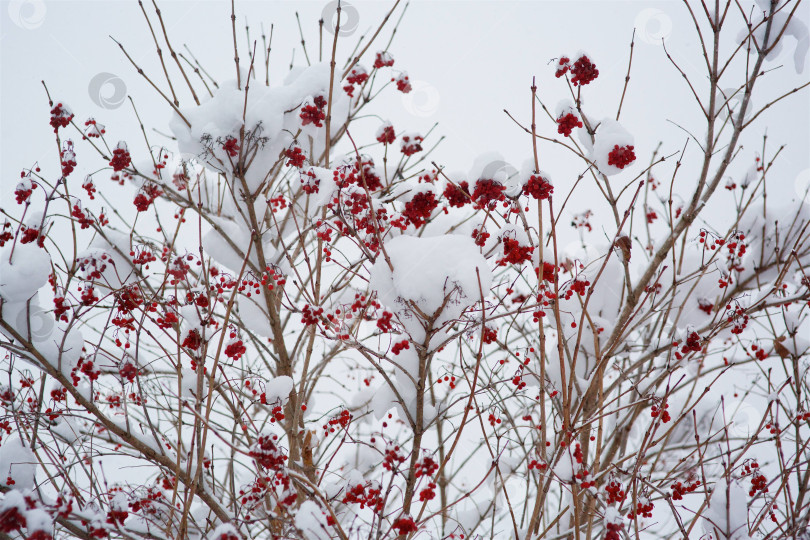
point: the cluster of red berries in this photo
(85, 367)
(759, 484)
(93, 266)
(178, 269)
(448, 379)
(383, 59)
(404, 525)
(386, 134)
(736, 250)
(356, 77)
(384, 323)
(457, 194)
(31, 234)
(705, 305)
(411, 144)
(614, 492)
(11, 519)
(93, 130)
(313, 112)
(235, 349)
(276, 412)
(549, 272)
(487, 191)
(366, 495)
(120, 158)
(613, 531)
(579, 286)
(89, 296)
(193, 340)
(427, 466)
(231, 146)
(738, 318)
(621, 156)
(489, 335)
(60, 117)
(537, 464)
(514, 253)
(311, 315)
(400, 346)
(582, 474)
(418, 210)
(644, 508)
(24, 190)
(340, 420)
(402, 82)
(563, 65)
(228, 535)
(538, 187)
(567, 122)
(168, 320)
(295, 155)
(518, 381)
(253, 496)
(68, 158)
(392, 458)
(480, 236)
(267, 453)
(358, 172)
(583, 71)
(428, 493)
(309, 182)
(85, 220)
(128, 371)
(89, 187)
(694, 343)
(656, 411)
(5, 235)
(679, 489)
(146, 196)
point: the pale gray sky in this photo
(468, 60)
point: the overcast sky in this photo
(468, 61)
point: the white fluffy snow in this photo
(609, 134)
(271, 113)
(794, 28)
(312, 522)
(18, 463)
(23, 273)
(438, 275)
(727, 516)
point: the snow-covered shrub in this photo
(273, 328)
